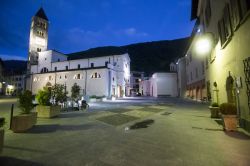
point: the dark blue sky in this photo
(77, 25)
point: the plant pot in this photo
(47, 111)
(214, 112)
(230, 122)
(92, 100)
(23, 122)
(1, 139)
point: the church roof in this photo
(41, 14)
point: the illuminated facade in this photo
(228, 64)
(102, 75)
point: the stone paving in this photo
(129, 132)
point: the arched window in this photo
(77, 76)
(95, 75)
(44, 70)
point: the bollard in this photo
(11, 114)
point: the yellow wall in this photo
(231, 59)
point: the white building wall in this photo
(163, 84)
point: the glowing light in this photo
(203, 46)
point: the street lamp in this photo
(204, 43)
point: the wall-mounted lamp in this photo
(204, 43)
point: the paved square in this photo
(183, 134)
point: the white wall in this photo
(164, 84)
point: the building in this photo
(181, 77)
(160, 85)
(135, 78)
(195, 69)
(144, 87)
(2, 81)
(102, 75)
(15, 84)
(227, 23)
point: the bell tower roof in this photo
(41, 14)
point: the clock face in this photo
(40, 41)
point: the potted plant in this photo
(2, 120)
(44, 108)
(26, 119)
(229, 116)
(92, 98)
(215, 110)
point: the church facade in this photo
(100, 75)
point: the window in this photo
(95, 75)
(245, 6)
(235, 13)
(39, 49)
(79, 66)
(224, 27)
(35, 79)
(207, 13)
(44, 70)
(58, 60)
(60, 77)
(45, 59)
(67, 68)
(92, 64)
(77, 76)
(55, 68)
(196, 72)
(65, 76)
(106, 63)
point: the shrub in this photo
(43, 97)
(228, 109)
(2, 121)
(215, 104)
(25, 102)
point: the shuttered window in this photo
(235, 13)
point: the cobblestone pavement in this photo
(130, 132)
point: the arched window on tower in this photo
(44, 70)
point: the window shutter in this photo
(221, 30)
(227, 22)
(235, 13)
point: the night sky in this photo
(77, 25)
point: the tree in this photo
(43, 96)
(25, 102)
(75, 92)
(59, 93)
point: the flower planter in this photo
(23, 122)
(1, 139)
(214, 112)
(47, 111)
(92, 100)
(230, 122)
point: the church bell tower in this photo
(38, 41)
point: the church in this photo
(99, 75)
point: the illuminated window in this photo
(77, 76)
(95, 75)
(35, 79)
